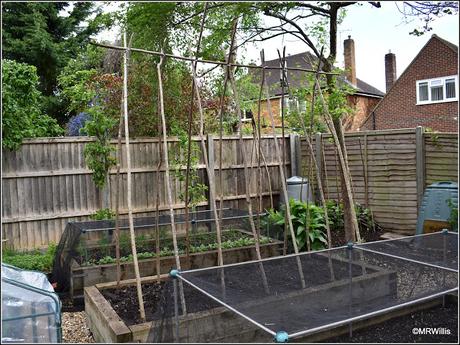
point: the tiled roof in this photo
(298, 79)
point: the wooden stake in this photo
(128, 178)
(343, 163)
(247, 182)
(315, 163)
(219, 63)
(212, 184)
(117, 201)
(189, 144)
(168, 181)
(157, 197)
(117, 187)
(283, 179)
(221, 119)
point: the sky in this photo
(375, 32)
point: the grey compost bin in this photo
(435, 204)
(298, 188)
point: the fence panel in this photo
(441, 157)
(383, 166)
(46, 183)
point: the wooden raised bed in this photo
(82, 276)
(221, 325)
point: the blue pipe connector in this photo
(445, 231)
(174, 273)
(350, 245)
(281, 337)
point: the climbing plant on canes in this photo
(91, 92)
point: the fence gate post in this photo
(210, 153)
(420, 164)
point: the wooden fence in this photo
(389, 169)
(46, 183)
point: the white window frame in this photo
(243, 117)
(443, 80)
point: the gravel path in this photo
(74, 329)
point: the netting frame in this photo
(282, 336)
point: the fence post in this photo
(210, 153)
(294, 148)
(318, 157)
(420, 164)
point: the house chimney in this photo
(349, 57)
(390, 70)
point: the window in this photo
(291, 104)
(450, 88)
(303, 106)
(248, 115)
(437, 90)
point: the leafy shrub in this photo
(307, 221)
(86, 90)
(34, 261)
(453, 218)
(364, 217)
(76, 124)
(22, 116)
(103, 214)
(315, 222)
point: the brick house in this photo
(364, 99)
(426, 93)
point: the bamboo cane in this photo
(168, 181)
(117, 187)
(212, 184)
(189, 143)
(246, 174)
(157, 197)
(283, 179)
(221, 63)
(117, 201)
(128, 178)
(342, 159)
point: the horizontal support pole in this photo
(221, 63)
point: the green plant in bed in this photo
(200, 243)
(33, 261)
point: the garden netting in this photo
(301, 294)
(93, 242)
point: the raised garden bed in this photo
(112, 319)
(238, 247)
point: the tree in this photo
(21, 113)
(88, 90)
(314, 24)
(426, 12)
(39, 34)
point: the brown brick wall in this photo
(399, 109)
(265, 116)
(363, 106)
